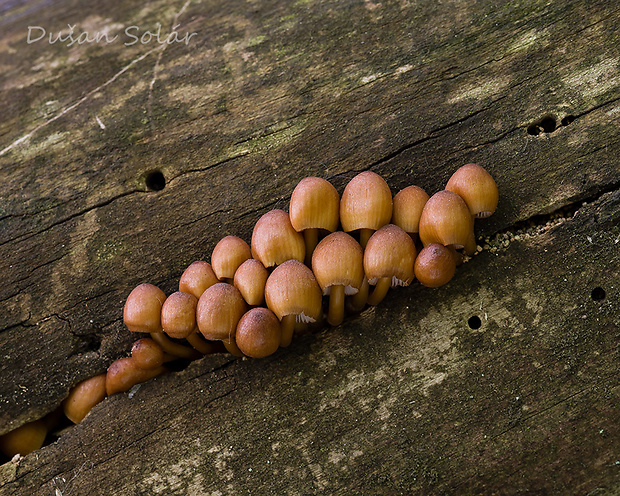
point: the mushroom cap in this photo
(258, 333)
(24, 439)
(178, 315)
(338, 260)
(147, 354)
(250, 280)
(315, 204)
(197, 277)
(408, 205)
(229, 253)
(142, 312)
(435, 265)
(123, 374)
(84, 397)
(477, 187)
(390, 252)
(291, 289)
(274, 240)
(366, 203)
(446, 220)
(219, 309)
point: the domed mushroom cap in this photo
(390, 253)
(84, 397)
(291, 289)
(435, 265)
(446, 220)
(178, 315)
(123, 374)
(197, 277)
(338, 260)
(147, 354)
(142, 312)
(25, 439)
(250, 280)
(258, 333)
(408, 205)
(366, 203)
(219, 309)
(315, 204)
(274, 240)
(477, 187)
(228, 255)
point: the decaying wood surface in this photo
(406, 398)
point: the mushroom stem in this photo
(335, 314)
(470, 245)
(357, 302)
(365, 235)
(381, 289)
(232, 348)
(202, 345)
(311, 238)
(173, 348)
(288, 326)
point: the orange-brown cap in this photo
(315, 204)
(446, 220)
(25, 439)
(477, 187)
(142, 312)
(123, 374)
(390, 252)
(366, 203)
(408, 205)
(84, 397)
(228, 255)
(435, 265)
(258, 333)
(219, 309)
(291, 289)
(250, 280)
(274, 240)
(338, 260)
(197, 277)
(178, 315)
(147, 354)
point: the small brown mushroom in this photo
(228, 255)
(197, 277)
(338, 265)
(258, 333)
(435, 265)
(408, 205)
(147, 354)
(219, 309)
(178, 315)
(274, 240)
(250, 280)
(477, 187)
(314, 205)
(366, 204)
(388, 261)
(292, 293)
(84, 397)
(123, 374)
(24, 440)
(446, 220)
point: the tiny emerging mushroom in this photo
(435, 265)
(314, 205)
(338, 265)
(274, 240)
(24, 439)
(147, 354)
(258, 333)
(124, 373)
(292, 293)
(388, 261)
(229, 253)
(477, 187)
(84, 397)
(365, 205)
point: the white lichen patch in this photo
(480, 89)
(530, 38)
(176, 478)
(596, 79)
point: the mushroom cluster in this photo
(298, 270)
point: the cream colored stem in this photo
(470, 245)
(381, 289)
(365, 235)
(335, 314)
(173, 348)
(202, 345)
(311, 237)
(288, 326)
(357, 302)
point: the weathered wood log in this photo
(122, 163)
